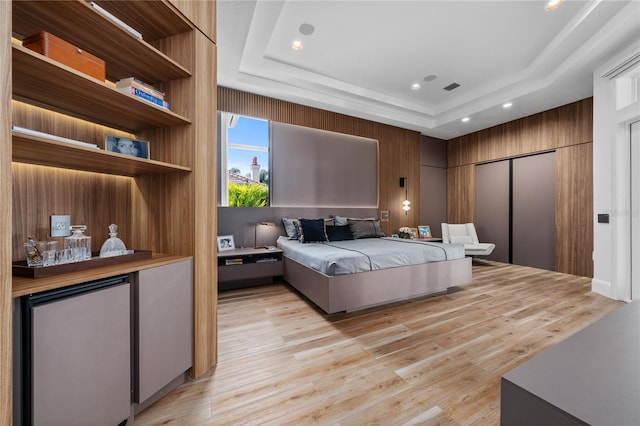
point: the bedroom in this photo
(436, 152)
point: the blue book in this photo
(146, 96)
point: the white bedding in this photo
(367, 254)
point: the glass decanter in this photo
(113, 246)
(78, 243)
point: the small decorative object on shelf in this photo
(424, 231)
(78, 243)
(127, 146)
(113, 246)
(406, 232)
(40, 253)
(225, 242)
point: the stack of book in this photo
(144, 91)
(234, 261)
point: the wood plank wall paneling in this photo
(5, 217)
(568, 130)
(567, 125)
(461, 194)
(92, 199)
(574, 204)
(399, 149)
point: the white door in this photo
(635, 210)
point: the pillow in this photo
(339, 232)
(365, 228)
(461, 239)
(340, 220)
(312, 231)
(292, 228)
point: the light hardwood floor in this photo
(431, 361)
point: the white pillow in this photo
(461, 239)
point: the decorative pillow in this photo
(339, 232)
(461, 239)
(313, 231)
(365, 228)
(291, 227)
(340, 220)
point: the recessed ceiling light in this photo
(464, 120)
(507, 105)
(553, 4)
(415, 86)
(297, 45)
(430, 77)
(306, 29)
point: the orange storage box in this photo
(59, 50)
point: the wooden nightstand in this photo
(247, 267)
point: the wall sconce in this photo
(406, 204)
(255, 234)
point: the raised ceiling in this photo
(363, 56)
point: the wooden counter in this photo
(23, 286)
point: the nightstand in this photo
(246, 267)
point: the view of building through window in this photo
(245, 157)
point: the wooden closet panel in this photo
(574, 214)
(461, 194)
(92, 199)
(399, 149)
(5, 217)
(576, 123)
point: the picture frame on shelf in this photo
(414, 233)
(127, 146)
(225, 243)
(424, 231)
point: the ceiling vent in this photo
(451, 87)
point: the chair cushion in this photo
(461, 239)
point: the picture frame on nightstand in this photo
(424, 231)
(225, 243)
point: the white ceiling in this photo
(364, 55)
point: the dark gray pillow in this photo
(365, 228)
(339, 232)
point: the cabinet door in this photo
(81, 359)
(164, 326)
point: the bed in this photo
(356, 274)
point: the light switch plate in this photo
(60, 225)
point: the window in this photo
(244, 155)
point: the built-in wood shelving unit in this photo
(45, 152)
(167, 204)
(124, 53)
(41, 81)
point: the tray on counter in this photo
(21, 269)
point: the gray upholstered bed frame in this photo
(358, 291)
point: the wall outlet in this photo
(60, 225)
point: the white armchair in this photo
(465, 233)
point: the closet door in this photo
(534, 211)
(492, 207)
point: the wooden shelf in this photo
(44, 82)
(80, 24)
(45, 152)
(23, 286)
(153, 19)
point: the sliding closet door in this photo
(492, 207)
(534, 211)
